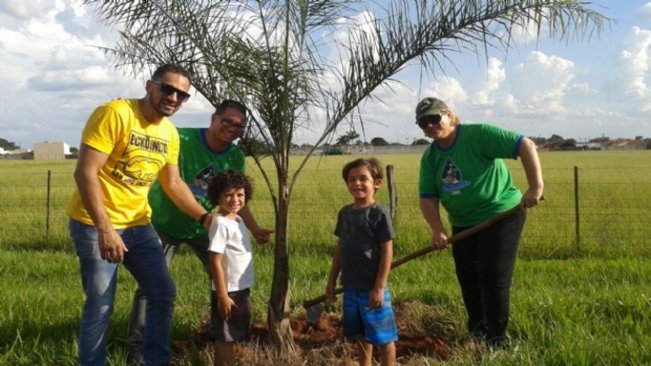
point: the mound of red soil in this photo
(328, 332)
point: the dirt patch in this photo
(329, 331)
(327, 334)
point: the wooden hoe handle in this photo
(422, 251)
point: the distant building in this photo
(51, 150)
(589, 146)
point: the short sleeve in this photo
(102, 130)
(384, 226)
(175, 145)
(218, 234)
(338, 227)
(427, 175)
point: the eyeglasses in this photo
(169, 90)
(429, 120)
(227, 122)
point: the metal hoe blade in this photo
(314, 314)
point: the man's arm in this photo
(260, 234)
(86, 176)
(177, 190)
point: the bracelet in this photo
(203, 218)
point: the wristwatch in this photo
(203, 218)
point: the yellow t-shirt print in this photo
(137, 151)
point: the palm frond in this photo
(281, 59)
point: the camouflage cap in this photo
(429, 107)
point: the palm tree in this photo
(347, 138)
(273, 55)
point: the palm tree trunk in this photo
(279, 310)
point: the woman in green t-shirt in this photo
(463, 171)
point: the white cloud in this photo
(349, 31)
(509, 105)
(634, 61)
(24, 10)
(539, 83)
(645, 10)
(449, 90)
(47, 48)
(495, 75)
(55, 78)
(526, 34)
(581, 88)
(391, 113)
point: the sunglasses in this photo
(424, 122)
(169, 90)
(230, 123)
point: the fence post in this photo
(393, 197)
(576, 209)
(47, 206)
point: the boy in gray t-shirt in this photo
(363, 256)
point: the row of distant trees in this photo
(350, 138)
(556, 142)
(8, 145)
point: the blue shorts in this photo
(378, 326)
(236, 328)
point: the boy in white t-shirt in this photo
(231, 263)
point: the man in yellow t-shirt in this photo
(125, 145)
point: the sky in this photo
(53, 76)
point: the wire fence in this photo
(585, 209)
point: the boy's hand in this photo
(376, 298)
(225, 307)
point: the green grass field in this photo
(577, 299)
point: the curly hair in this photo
(228, 179)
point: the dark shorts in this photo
(378, 326)
(237, 327)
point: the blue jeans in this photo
(146, 263)
(137, 322)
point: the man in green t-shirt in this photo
(204, 152)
